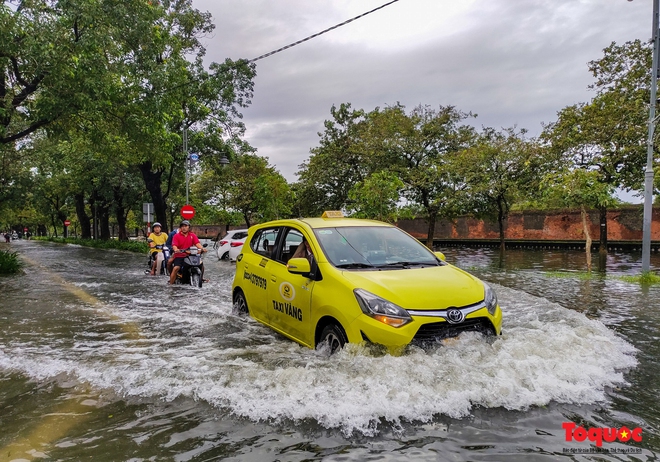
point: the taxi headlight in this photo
(490, 299)
(381, 309)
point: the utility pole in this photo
(648, 175)
(185, 152)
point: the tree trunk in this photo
(54, 223)
(120, 215)
(587, 234)
(603, 230)
(152, 181)
(83, 218)
(431, 231)
(104, 213)
(500, 222)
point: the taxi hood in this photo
(431, 288)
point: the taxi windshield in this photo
(373, 247)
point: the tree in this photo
(607, 135)
(336, 165)
(579, 188)
(57, 58)
(418, 147)
(250, 186)
(132, 71)
(499, 169)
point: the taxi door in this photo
(256, 266)
(289, 294)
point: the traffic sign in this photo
(193, 157)
(67, 222)
(187, 212)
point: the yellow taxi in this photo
(333, 280)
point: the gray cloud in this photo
(513, 62)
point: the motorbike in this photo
(161, 257)
(191, 271)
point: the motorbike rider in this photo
(182, 241)
(156, 238)
(168, 244)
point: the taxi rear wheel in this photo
(240, 304)
(334, 336)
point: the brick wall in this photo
(623, 224)
(211, 231)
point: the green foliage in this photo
(578, 187)
(377, 196)
(646, 278)
(248, 186)
(608, 134)
(339, 162)
(9, 262)
(413, 147)
(499, 169)
(584, 276)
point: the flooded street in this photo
(100, 362)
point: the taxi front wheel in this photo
(240, 304)
(334, 336)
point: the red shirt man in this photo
(181, 241)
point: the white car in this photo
(233, 238)
(236, 247)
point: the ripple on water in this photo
(200, 350)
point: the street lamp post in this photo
(648, 175)
(185, 152)
(224, 161)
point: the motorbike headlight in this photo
(490, 299)
(381, 309)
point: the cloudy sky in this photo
(512, 62)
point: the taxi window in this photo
(264, 241)
(365, 247)
(293, 238)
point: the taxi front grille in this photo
(440, 330)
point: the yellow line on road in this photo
(55, 425)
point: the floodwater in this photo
(101, 362)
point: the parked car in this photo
(357, 280)
(235, 248)
(223, 245)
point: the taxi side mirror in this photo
(440, 255)
(299, 266)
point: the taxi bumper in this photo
(424, 328)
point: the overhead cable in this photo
(320, 33)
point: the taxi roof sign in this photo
(332, 214)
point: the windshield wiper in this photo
(404, 264)
(354, 265)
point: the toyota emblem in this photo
(454, 316)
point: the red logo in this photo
(598, 435)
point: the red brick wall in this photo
(623, 224)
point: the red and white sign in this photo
(187, 212)
(67, 222)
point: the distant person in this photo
(168, 244)
(7, 238)
(156, 238)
